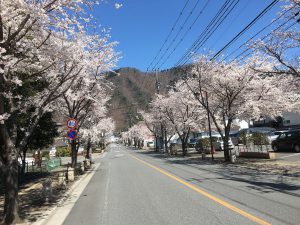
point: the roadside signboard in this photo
(71, 134)
(72, 123)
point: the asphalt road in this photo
(135, 188)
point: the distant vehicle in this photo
(287, 141)
(150, 144)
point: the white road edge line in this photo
(58, 214)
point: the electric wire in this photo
(260, 15)
(211, 32)
(290, 26)
(177, 34)
(211, 24)
(261, 30)
(170, 32)
(185, 34)
(256, 34)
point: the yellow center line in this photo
(202, 192)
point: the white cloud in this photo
(118, 5)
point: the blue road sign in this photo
(72, 134)
(72, 123)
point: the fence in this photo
(251, 147)
(32, 171)
(52, 164)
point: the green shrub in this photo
(45, 154)
(260, 139)
(244, 138)
(205, 143)
(63, 151)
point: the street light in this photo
(208, 120)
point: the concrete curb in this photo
(64, 207)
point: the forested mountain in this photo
(134, 91)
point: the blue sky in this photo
(141, 26)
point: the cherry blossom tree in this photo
(281, 50)
(234, 91)
(136, 134)
(153, 123)
(86, 99)
(42, 42)
(282, 46)
(181, 111)
(95, 130)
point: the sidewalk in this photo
(57, 214)
(33, 207)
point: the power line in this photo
(257, 33)
(208, 28)
(169, 34)
(185, 34)
(291, 25)
(246, 28)
(231, 23)
(211, 32)
(177, 34)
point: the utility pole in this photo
(209, 127)
(161, 136)
(156, 82)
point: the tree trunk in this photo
(226, 149)
(88, 147)
(226, 141)
(166, 142)
(134, 142)
(156, 143)
(73, 153)
(11, 202)
(183, 144)
(8, 163)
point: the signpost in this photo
(72, 134)
(72, 123)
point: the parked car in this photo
(192, 142)
(289, 140)
(237, 138)
(274, 135)
(150, 144)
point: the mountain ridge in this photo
(134, 90)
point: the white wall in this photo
(291, 119)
